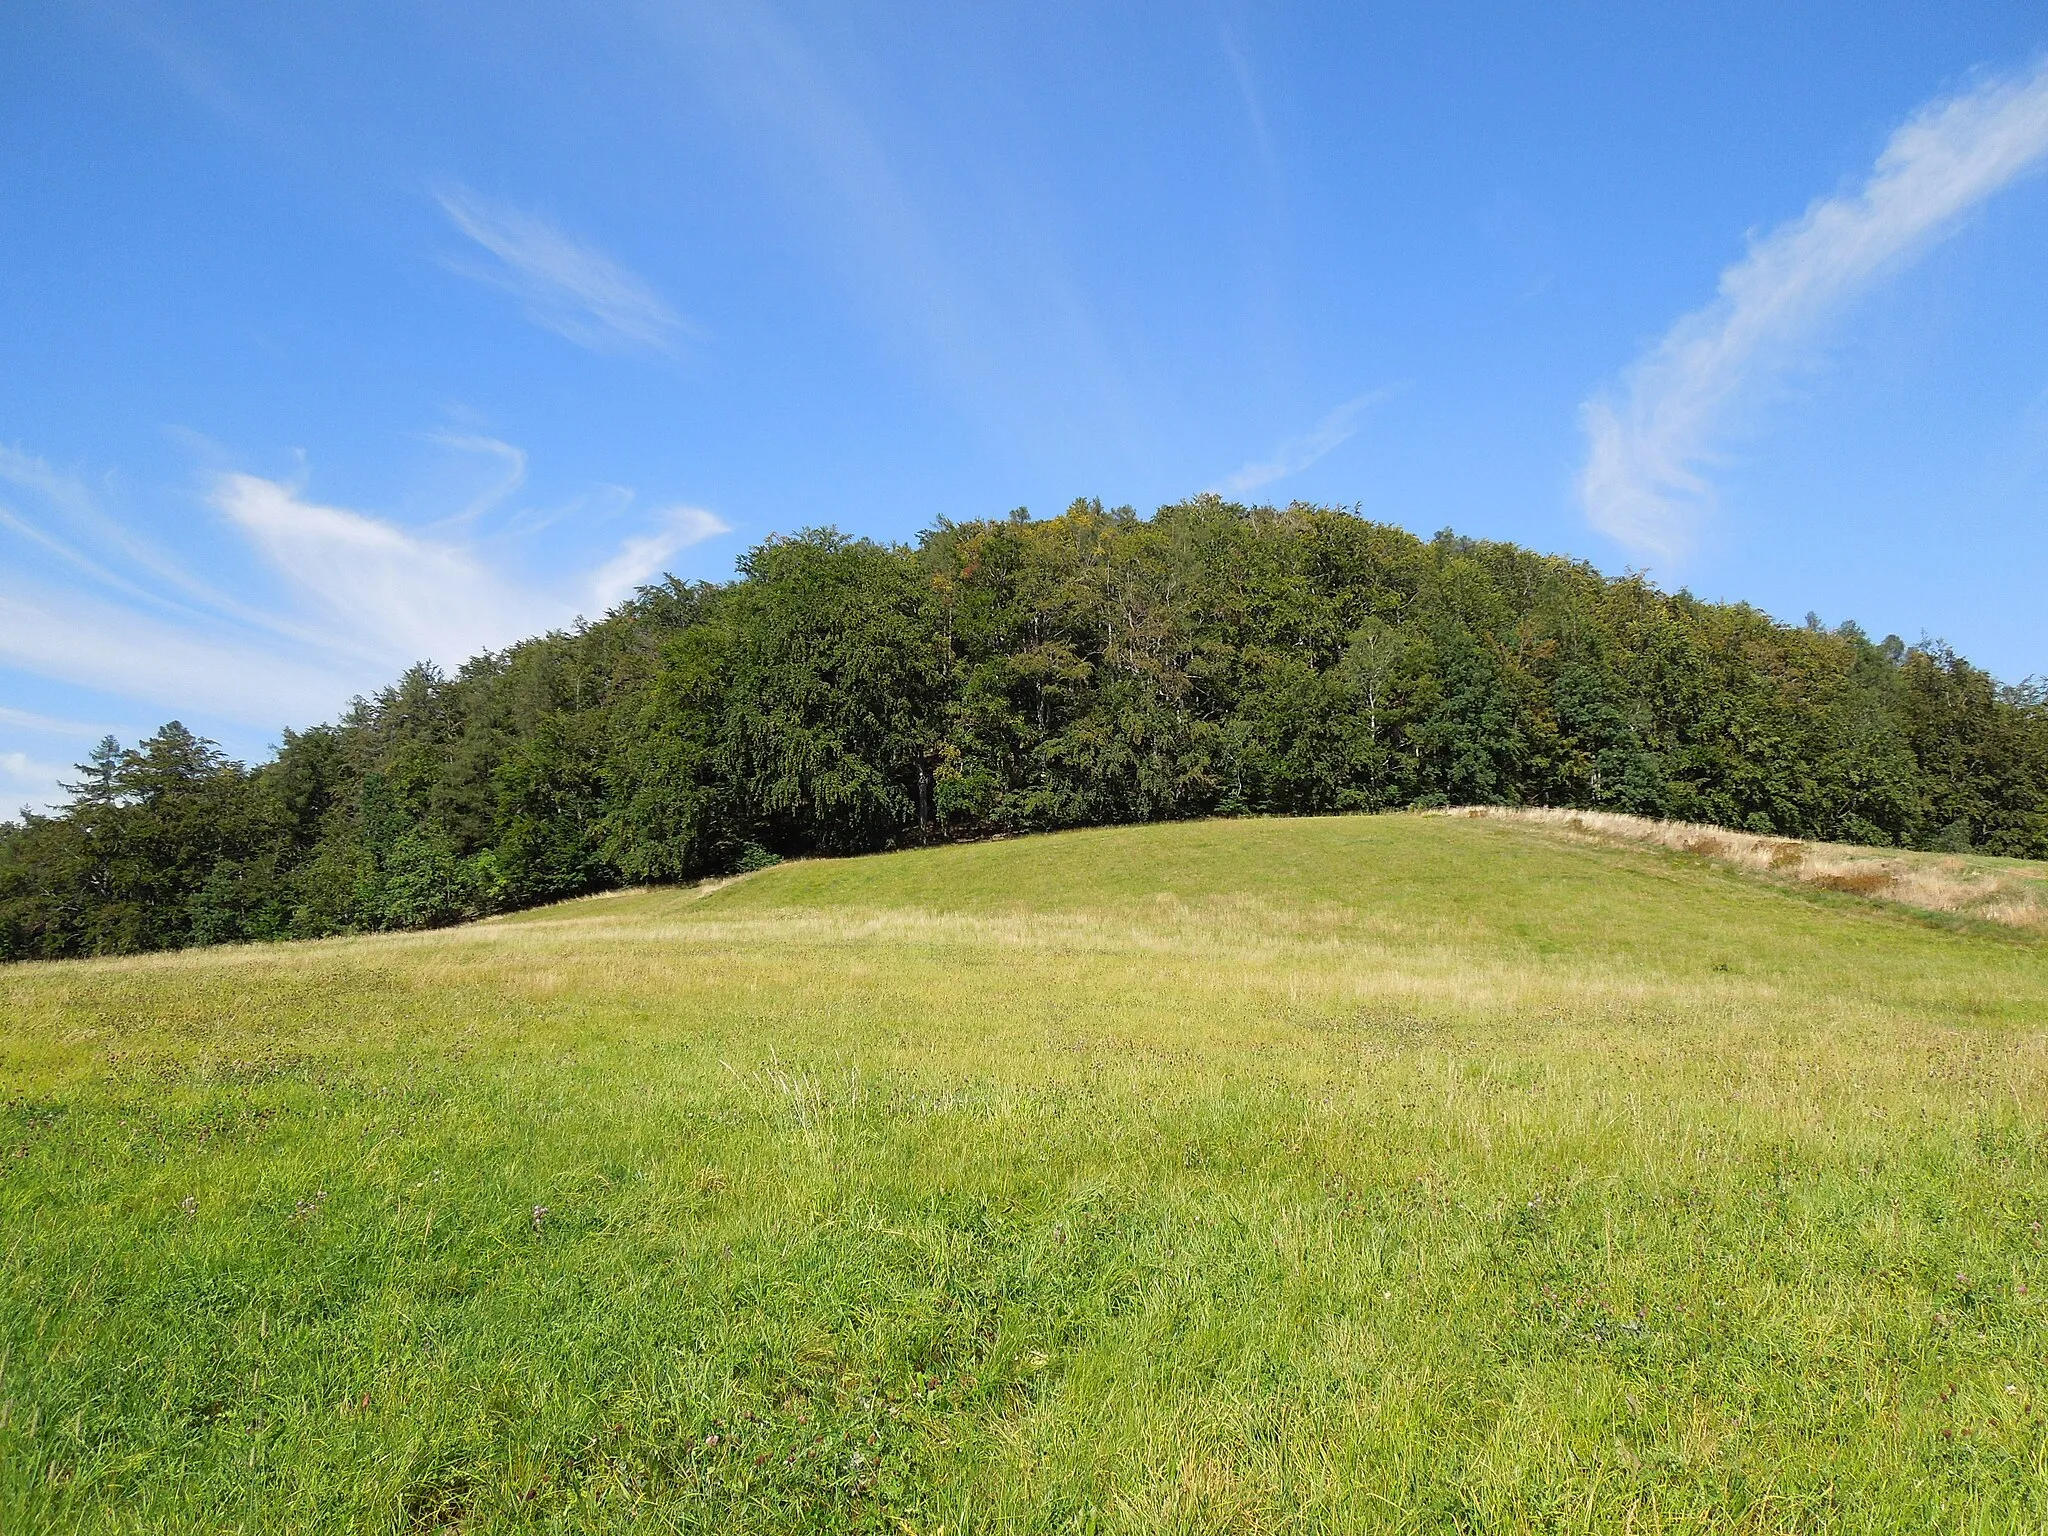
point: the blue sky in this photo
(336, 337)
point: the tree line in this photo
(1008, 675)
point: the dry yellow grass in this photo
(2012, 892)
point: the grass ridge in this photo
(1359, 1173)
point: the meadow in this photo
(1396, 1173)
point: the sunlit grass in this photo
(2012, 892)
(1382, 1173)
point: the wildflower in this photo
(189, 1204)
(540, 1214)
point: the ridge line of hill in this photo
(842, 695)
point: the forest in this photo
(1017, 674)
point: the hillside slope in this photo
(1357, 1173)
(2011, 892)
(1020, 675)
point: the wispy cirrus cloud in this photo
(48, 725)
(514, 476)
(29, 781)
(641, 560)
(183, 59)
(1650, 445)
(34, 778)
(350, 599)
(977, 278)
(77, 638)
(391, 590)
(570, 287)
(1298, 453)
(415, 596)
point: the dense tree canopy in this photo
(1009, 675)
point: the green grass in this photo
(1397, 1173)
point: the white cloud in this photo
(76, 639)
(975, 278)
(19, 767)
(514, 476)
(26, 778)
(185, 62)
(641, 560)
(1297, 453)
(413, 597)
(362, 598)
(29, 782)
(1644, 480)
(153, 576)
(405, 596)
(26, 720)
(49, 544)
(572, 289)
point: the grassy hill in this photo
(1379, 1173)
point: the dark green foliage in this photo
(843, 696)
